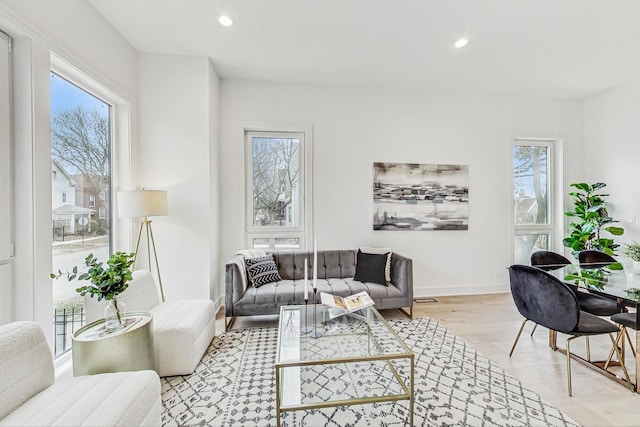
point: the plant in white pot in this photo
(632, 250)
(105, 283)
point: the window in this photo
(54, 175)
(6, 184)
(278, 187)
(81, 146)
(533, 196)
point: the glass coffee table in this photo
(352, 359)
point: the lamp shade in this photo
(141, 203)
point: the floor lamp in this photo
(143, 204)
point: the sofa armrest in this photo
(27, 365)
(236, 283)
(402, 274)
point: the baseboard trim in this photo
(440, 291)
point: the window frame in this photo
(304, 229)
(553, 228)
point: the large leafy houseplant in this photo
(105, 283)
(591, 220)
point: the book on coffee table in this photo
(347, 304)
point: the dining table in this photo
(618, 284)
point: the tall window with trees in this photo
(81, 162)
(277, 179)
(533, 199)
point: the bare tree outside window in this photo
(531, 179)
(80, 141)
(276, 181)
(81, 170)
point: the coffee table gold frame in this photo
(377, 355)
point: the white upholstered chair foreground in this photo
(182, 329)
(29, 394)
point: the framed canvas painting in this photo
(412, 196)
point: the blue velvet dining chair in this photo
(547, 301)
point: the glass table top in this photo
(364, 334)
(623, 283)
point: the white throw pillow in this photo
(251, 253)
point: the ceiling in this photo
(567, 49)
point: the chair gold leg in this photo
(517, 337)
(613, 349)
(621, 359)
(535, 325)
(553, 340)
(633, 350)
(569, 364)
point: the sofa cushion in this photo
(26, 364)
(262, 270)
(182, 332)
(114, 399)
(371, 268)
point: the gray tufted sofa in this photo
(336, 270)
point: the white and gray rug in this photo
(454, 385)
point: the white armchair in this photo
(29, 394)
(182, 329)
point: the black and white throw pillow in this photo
(262, 270)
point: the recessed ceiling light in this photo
(225, 21)
(461, 43)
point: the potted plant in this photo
(592, 219)
(632, 250)
(105, 283)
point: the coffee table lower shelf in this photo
(357, 360)
(284, 386)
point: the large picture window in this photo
(533, 184)
(81, 146)
(278, 188)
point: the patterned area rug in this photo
(454, 385)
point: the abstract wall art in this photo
(412, 196)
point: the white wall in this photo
(216, 289)
(612, 153)
(355, 127)
(79, 36)
(74, 30)
(177, 149)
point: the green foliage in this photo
(592, 219)
(632, 250)
(595, 277)
(105, 282)
(633, 293)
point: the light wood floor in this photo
(490, 323)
